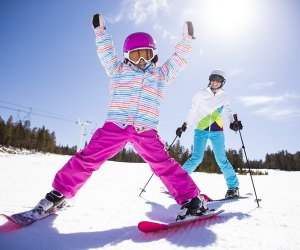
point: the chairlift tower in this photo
(83, 127)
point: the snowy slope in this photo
(105, 212)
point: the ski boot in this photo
(192, 208)
(232, 193)
(54, 201)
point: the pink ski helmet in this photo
(139, 40)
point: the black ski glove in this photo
(181, 129)
(188, 30)
(236, 125)
(98, 21)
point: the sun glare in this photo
(228, 18)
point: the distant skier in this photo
(136, 91)
(207, 106)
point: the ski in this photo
(151, 226)
(20, 220)
(210, 200)
(8, 226)
(228, 199)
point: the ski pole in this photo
(243, 146)
(143, 189)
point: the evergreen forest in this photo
(20, 135)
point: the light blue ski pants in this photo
(218, 143)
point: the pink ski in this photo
(8, 225)
(151, 226)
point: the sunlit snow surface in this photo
(105, 212)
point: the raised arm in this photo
(105, 48)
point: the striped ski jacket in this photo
(135, 95)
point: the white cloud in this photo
(265, 100)
(140, 11)
(278, 113)
(280, 107)
(260, 100)
(262, 85)
(235, 72)
(164, 33)
(201, 52)
(116, 18)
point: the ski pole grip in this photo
(235, 117)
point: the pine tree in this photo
(2, 131)
(8, 132)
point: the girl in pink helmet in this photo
(136, 88)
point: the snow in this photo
(105, 212)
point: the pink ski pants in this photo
(107, 142)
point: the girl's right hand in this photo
(98, 22)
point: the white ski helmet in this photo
(217, 72)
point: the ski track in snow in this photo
(105, 212)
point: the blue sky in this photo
(49, 67)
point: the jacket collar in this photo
(211, 92)
(137, 69)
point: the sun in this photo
(227, 19)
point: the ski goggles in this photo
(216, 78)
(141, 53)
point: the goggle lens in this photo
(217, 79)
(136, 55)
